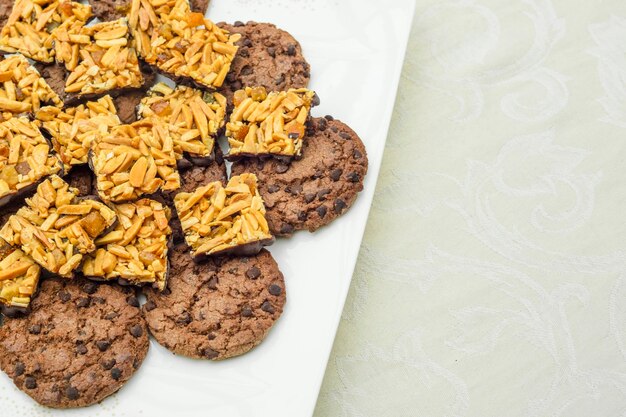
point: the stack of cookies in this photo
(114, 186)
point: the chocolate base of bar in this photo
(182, 80)
(248, 249)
(72, 100)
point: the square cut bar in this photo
(187, 46)
(136, 249)
(22, 88)
(30, 26)
(224, 220)
(134, 160)
(273, 124)
(19, 276)
(106, 60)
(25, 158)
(73, 130)
(194, 117)
(56, 228)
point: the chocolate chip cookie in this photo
(313, 191)
(268, 57)
(80, 343)
(218, 309)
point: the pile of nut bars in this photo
(123, 233)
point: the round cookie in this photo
(80, 343)
(218, 309)
(311, 192)
(268, 57)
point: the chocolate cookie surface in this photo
(80, 343)
(107, 10)
(54, 75)
(5, 11)
(218, 309)
(313, 191)
(126, 103)
(268, 57)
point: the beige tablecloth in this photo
(492, 277)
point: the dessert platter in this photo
(152, 161)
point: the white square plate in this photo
(356, 50)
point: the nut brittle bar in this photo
(194, 117)
(187, 45)
(56, 228)
(134, 160)
(25, 158)
(136, 249)
(273, 124)
(107, 61)
(220, 220)
(19, 276)
(144, 21)
(73, 130)
(22, 89)
(30, 26)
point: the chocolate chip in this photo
(275, 289)
(244, 52)
(344, 135)
(281, 168)
(321, 210)
(81, 349)
(339, 205)
(334, 129)
(108, 364)
(294, 189)
(19, 369)
(302, 216)
(271, 51)
(183, 164)
(318, 174)
(253, 273)
(132, 301)
(90, 287)
(321, 195)
(111, 315)
(280, 80)
(210, 353)
(322, 124)
(212, 284)
(286, 229)
(238, 23)
(149, 306)
(335, 174)
(72, 393)
(309, 197)
(354, 177)
(166, 292)
(136, 330)
(273, 188)
(64, 296)
(34, 329)
(247, 70)
(116, 373)
(267, 307)
(30, 382)
(329, 118)
(211, 336)
(291, 50)
(316, 100)
(230, 77)
(246, 42)
(103, 345)
(184, 318)
(294, 135)
(83, 302)
(246, 311)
